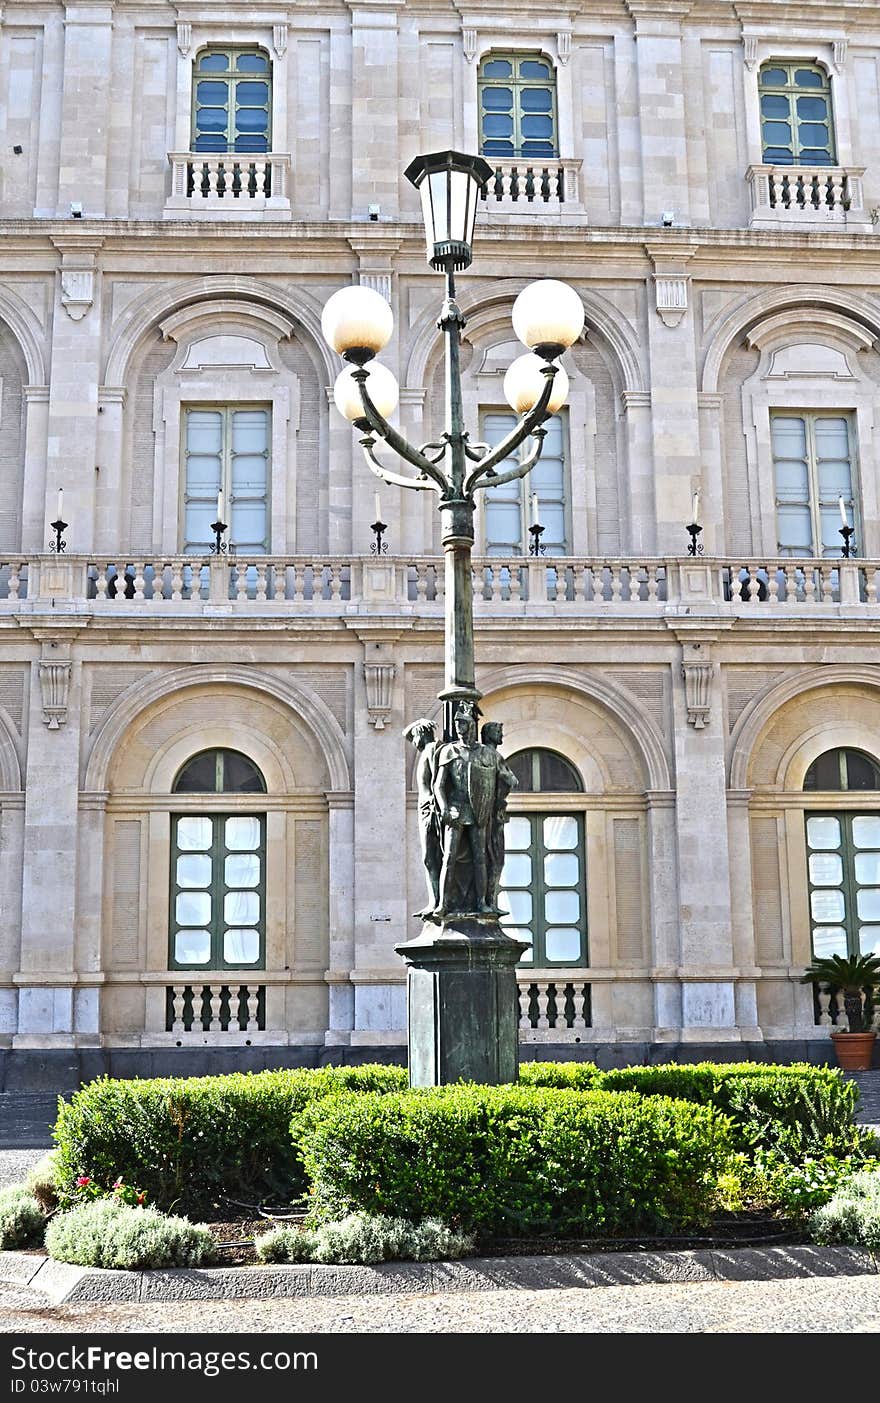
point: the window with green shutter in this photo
(843, 858)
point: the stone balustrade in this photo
(197, 1008)
(825, 195)
(539, 186)
(329, 585)
(553, 1007)
(223, 182)
(830, 1012)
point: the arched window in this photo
(843, 769)
(843, 858)
(218, 865)
(232, 100)
(219, 772)
(517, 94)
(796, 122)
(543, 885)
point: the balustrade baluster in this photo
(235, 993)
(825, 572)
(871, 584)
(253, 1004)
(653, 591)
(495, 573)
(560, 592)
(178, 992)
(525, 998)
(261, 584)
(299, 583)
(736, 584)
(215, 997)
(754, 588)
(515, 581)
(809, 584)
(772, 584)
(439, 582)
(14, 581)
(578, 1003)
(335, 581)
(597, 577)
(839, 1013)
(616, 584)
(543, 1001)
(241, 586)
(279, 581)
(824, 1000)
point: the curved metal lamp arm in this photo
(513, 473)
(477, 451)
(439, 455)
(396, 479)
(395, 440)
(536, 414)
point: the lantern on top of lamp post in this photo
(462, 994)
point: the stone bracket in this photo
(79, 260)
(54, 671)
(379, 673)
(697, 669)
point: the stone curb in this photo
(62, 1283)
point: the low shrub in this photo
(21, 1217)
(40, 1181)
(515, 1160)
(365, 1238)
(189, 1143)
(793, 1110)
(108, 1233)
(852, 1216)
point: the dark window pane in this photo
(240, 775)
(534, 149)
(810, 109)
(813, 133)
(777, 105)
(252, 63)
(774, 78)
(777, 133)
(813, 157)
(251, 119)
(539, 100)
(807, 78)
(208, 142)
(252, 94)
(497, 68)
(861, 772)
(255, 145)
(497, 148)
(521, 765)
(211, 119)
(824, 773)
(211, 91)
(497, 99)
(497, 125)
(557, 774)
(199, 775)
(778, 156)
(213, 63)
(537, 128)
(530, 68)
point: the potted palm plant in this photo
(857, 978)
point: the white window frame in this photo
(226, 456)
(810, 416)
(807, 49)
(525, 485)
(194, 38)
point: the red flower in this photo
(141, 1197)
(118, 1183)
(82, 1181)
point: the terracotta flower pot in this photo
(854, 1050)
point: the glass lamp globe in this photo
(548, 316)
(357, 322)
(524, 384)
(381, 386)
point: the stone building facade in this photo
(208, 836)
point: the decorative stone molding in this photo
(839, 53)
(184, 38)
(379, 679)
(672, 298)
(563, 45)
(54, 670)
(469, 44)
(750, 49)
(379, 282)
(279, 39)
(77, 291)
(697, 670)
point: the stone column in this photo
(85, 108)
(674, 413)
(640, 469)
(73, 390)
(342, 949)
(741, 915)
(708, 1002)
(665, 957)
(373, 118)
(35, 522)
(48, 965)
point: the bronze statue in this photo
(421, 734)
(492, 734)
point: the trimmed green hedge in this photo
(792, 1109)
(191, 1141)
(515, 1161)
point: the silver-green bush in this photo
(21, 1217)
(852, 1215)
(365, 1238)
(110, 1234)
(40, 1181)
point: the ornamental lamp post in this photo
(461, 985)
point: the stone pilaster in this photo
(73, 397)
(674, 412)
(374, 118)
(85, 108)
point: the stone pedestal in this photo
(462, 1003)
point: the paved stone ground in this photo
(837, 1305)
